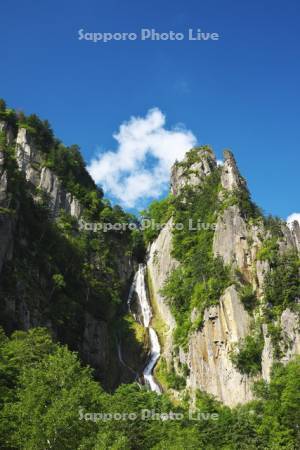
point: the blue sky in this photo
(241, 92)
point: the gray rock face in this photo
(237, 241)
(296, 234)
(59, 198)
(291, 334)
(267, 358)
(288, 241)
(95, 346)
(30, 162)
(230, 238)
(95, 339)
(160, 264)
(184, 174)
(230, 176)
(100, 350)
(289, 345)
(25, 153)
(211, 369)
(208, 356)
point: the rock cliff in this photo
(211, 369)
(30, 162)
(239, 240)
(37, 287)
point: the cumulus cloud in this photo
(292, 218)
(139, 168)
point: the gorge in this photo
(207, 314)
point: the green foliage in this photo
(278, 414)
(194, 155)
(155, 217)
(22, 349)
(40, 132)
(58, 280)
(168, 378)
(269, 250)
(247, 355)
(66, 162)
(133, 340)
(248, 208)
(248, 297)
(2, 105)
(282, 284)
(275, 332)
(48, 400)
(242, 198)
(274, 225)
(64, 272)
(200, 279)
(70, 167)
(8, 115)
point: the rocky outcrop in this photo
(59, 198)
(27, 303)
(211, 369)
(267, 357)
(192, 173)
(230, 238)
(237, 241)
(289, 345)
(160, 264)
(288, 240)
(230, 176)
(295, 230)
(30, 162)
(290, 326)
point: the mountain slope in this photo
(227, 292)
(55, 272)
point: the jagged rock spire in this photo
(230, 177)
(296, 233)
(196, 165)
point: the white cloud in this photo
(140, 167)
(220, 162)
(292, 218)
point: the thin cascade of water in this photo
(139, 287)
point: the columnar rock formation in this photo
(237, 241)
(30, 162)
(22, 310)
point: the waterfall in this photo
(139, 287)
(155, 354)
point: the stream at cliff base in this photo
(139, 288)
